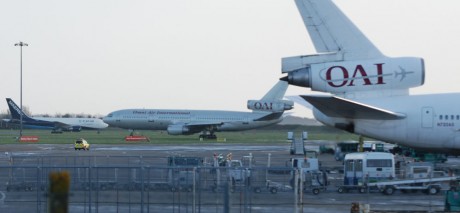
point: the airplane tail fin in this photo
(276, 92)
(273, 100)
(16, 111)
(332, 32)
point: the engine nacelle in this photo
(270, 106)
(178, 129)
(72, 129)
(364, 75)
(76, 129)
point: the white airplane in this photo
(368, 91)
(53, 123)
(267, 111)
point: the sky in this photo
(94, 57)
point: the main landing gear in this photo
(208, 135)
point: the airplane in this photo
(364, 92)
(266, 111)
(53, 123)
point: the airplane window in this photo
(440, 117)
(458, 117)
(446, 117)
(452, 117)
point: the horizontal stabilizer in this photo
(271, 116)
(333, 106)
(299, 100)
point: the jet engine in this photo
(72, 129)
(271, 106)
(325, 75)
(178, 129)
(76, 128)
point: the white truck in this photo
(376, 170)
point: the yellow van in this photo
(81, 144)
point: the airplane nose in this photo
(108, 119)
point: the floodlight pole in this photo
(21, 44)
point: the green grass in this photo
(274, 134)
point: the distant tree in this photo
(26, 110)
(67, 115)
(5, 114)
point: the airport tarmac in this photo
(327, 201)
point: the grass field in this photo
(274, 134)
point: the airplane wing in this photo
(331, 31)
(334, 106)
(271, 116)
(200, 126)
(60, 125)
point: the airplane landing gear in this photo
(208, 135)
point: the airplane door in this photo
(349, 172)
(353, 172)
(427, 117)
(151, 121)
(358, 172)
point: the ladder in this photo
(298, 146)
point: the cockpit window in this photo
(110, 115)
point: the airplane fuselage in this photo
(50, 122)
(432, 122)
(161, 119)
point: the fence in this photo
(178, 184)
(139, 184)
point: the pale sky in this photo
(94, 57)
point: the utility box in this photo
(452, 202)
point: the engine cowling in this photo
(72, 129)
(270, 106)
(361, 75)
(178, 129)
(76, 128)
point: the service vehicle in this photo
(366, 167)
(81, 144)
(376, 171)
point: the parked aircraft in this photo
(53, 123)
(369, 92)
(266, 111)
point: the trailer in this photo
(430, 186)
(274, 187)
(181, 174)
